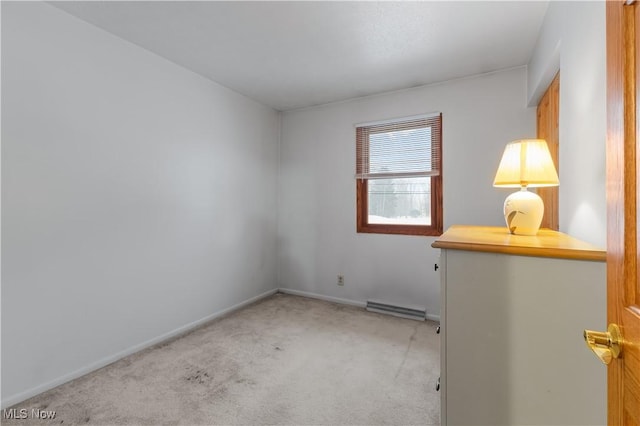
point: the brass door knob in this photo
(606, 345)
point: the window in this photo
(399, 176)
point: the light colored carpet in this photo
(283, 360)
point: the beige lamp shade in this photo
(526, 163)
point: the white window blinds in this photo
(403, 148)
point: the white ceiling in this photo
(296, 54)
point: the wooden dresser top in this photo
(495, 239)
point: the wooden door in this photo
(548, 121)
(623, 286)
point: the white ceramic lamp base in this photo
(523, 212)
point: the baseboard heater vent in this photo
(398, 311)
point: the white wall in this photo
(317, 219)
(138, 198)
(573, 39)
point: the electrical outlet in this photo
(340, 279)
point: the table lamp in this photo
(525, 163)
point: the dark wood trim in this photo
(362, 208)
(362, 158)
(361, 205)
(616, 220)
(548, 121)
(437, 213)
(362, 214)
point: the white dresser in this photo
(512, 316)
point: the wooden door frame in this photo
(548, 128)
(621, 185)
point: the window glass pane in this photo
(400, 201)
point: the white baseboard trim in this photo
(322, 297)
(430, 317)
(14, 399)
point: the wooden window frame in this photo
(362, 206)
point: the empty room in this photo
(319, 213)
